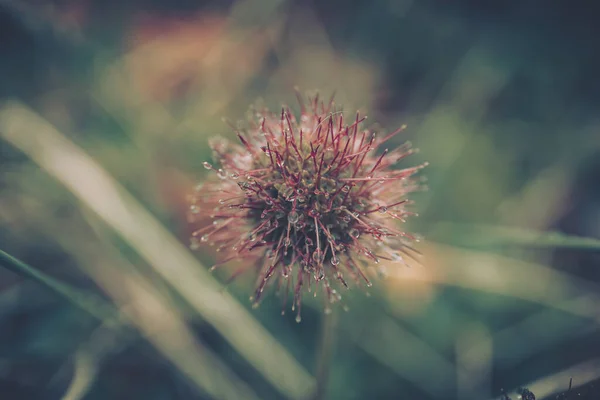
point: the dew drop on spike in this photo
(296, 186)
(293, 217)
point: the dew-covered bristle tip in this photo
(309, 204)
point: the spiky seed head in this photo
(307, 202)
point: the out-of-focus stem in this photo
(326, 350)
(89, 303)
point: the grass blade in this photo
(94, 187)
(89, 303)
(487, 236)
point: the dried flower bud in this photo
(308, 203)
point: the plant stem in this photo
(87, 302)
(326, 348)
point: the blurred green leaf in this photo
(88, 302)
(488, 236)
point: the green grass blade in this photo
(87, 302)
(487, 236)
(96, 189)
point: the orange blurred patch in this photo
(167, 52)
(174, 57)
(410, 288)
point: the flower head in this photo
(308, 203)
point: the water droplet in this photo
(383, 209)
(287, 192)
(355, 233)
(345, 188)
(397, 257)
(327, 310)
(221, 173)
(234, 176)
(204, 238)
(269, 201)
(382, 272)
(335, 261)
(298, 318)
(346, 218)
(194, 209)
(293, 217)
(207, 165)
(287, 242)
(317, 256)
(300, 191)
(222, 201)
(308, 241)
(313, 213)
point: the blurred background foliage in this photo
(501, 98)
